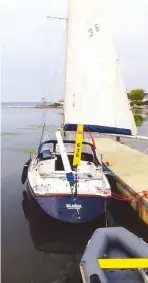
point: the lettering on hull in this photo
(73, 206)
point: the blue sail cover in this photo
(98, 129)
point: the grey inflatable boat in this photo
(117, 244)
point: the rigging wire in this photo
(56, 64)
(42, 133)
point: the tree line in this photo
(136, 95)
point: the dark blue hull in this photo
(70, 209)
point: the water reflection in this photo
(140, 116)
(51, 235)
(56, 238)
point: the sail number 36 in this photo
(91, 31)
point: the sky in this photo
(33, 47)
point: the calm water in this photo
(36, 248)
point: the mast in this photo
(64, 19)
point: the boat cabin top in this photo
(50, 149)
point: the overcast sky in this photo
(33, 46)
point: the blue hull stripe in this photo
(99, 129)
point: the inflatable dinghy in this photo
(115, 255)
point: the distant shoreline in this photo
(47, 106)
(34, 104)
(139, 107)
(58, 104)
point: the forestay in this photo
(95, 95)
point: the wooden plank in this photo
(65, 159)
(130, 165)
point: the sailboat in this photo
(69, 181)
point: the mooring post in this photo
(118, 139)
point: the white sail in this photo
(95, 95)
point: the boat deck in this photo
(131, 169)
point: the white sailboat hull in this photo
(77, 203)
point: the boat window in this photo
(46, 153)
(47, 147)
(86, 149)
(69, 147)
